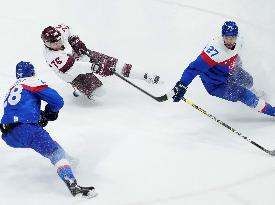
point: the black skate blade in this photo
(272, 153)
(90, 194)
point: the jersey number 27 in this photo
(212, 51)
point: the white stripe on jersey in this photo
(217, 51)
(30, 81)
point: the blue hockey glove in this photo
(179, 91)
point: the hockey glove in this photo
(42, 121)
(2, 129)
(8, 127)
(49, 114)
(77, 45)
(179, 91)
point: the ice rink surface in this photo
(134, 150)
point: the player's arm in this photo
(51, 96)
(55, 103)
(200, 65)
(43, 92)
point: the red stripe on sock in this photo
(265, 106)
(64, 166)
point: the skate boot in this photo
(268, 110)
(76, 94)
(154, 79)
(76, 190)
(265, 108)
(126, 70)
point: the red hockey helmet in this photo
(50, 34)
(52, 38)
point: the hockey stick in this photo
(189, 102)
(159, 99)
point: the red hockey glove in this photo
(77, 45)
(106, 63)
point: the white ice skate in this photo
(153, 79)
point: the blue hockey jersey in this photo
(23, 101)
(214, 65)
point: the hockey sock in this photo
(265, 108)
(64, 170)
(57, 154)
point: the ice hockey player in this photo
(220, 69)
(78, 67)
(22, 121)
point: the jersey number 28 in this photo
(14, 96)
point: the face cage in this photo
(54, 45)
(229, 37)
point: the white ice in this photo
(134, 150)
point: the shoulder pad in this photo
(32, 84)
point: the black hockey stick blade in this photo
(159, 99)
(166, 96)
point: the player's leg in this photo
(40, 141)
(243, 78)
(122, 68)
(234, 93)
(13, 140)
(250, 99)
(86, 84)
(126, 70)
(33, 136)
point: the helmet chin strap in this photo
(62, 48)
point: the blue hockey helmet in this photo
(230, 28)
(24, 69)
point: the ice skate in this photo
(76, 190)
(76, 93)
(154, 79)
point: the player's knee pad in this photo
(57, 155)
